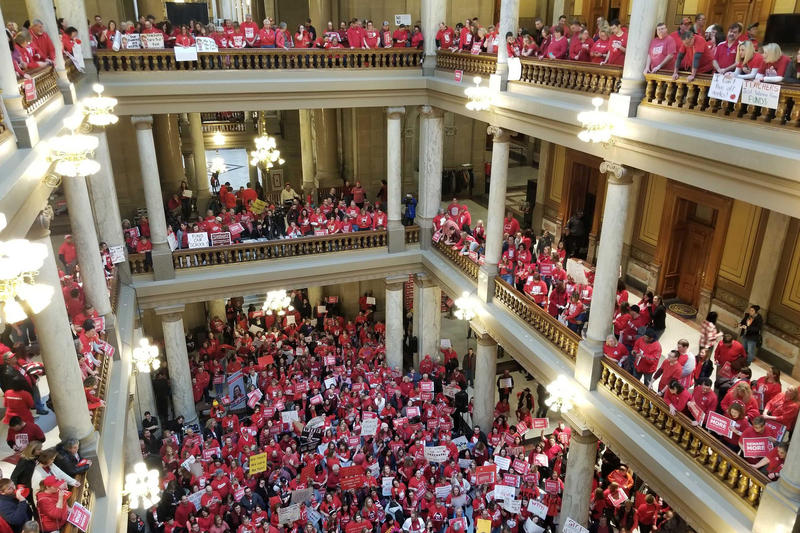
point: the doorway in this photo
(582, 198)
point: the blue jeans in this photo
(751, 347)
(508, 278)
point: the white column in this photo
(43, 10)
(769, 259)
(226, 7)
(59, 357)
(307, 152)
(394, 321)
(180, 376)
(558, 10)
(201, 180)
(86, 245)
(429, 307)
(133, 450)
(431, 144)
(509, 22)
(433, 12)
(590, 350)
(642, 27)
(74, 14)
(162, 256)
(485, 382)
(394, 177)
(145, 398)
(17, 119)
(581, 457)
(496, 211)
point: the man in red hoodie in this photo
(646, 354)
(43, 48)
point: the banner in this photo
(236, 390)
(725, 87)
(437, 454)
(152, 40)
(185, 53)
(755, 447)
(719, 424)
(258, 463)
(761, 94)
(197, 240)
(206, 44)
(351, 477)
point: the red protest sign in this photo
(618, 498)
(426, 396)
(521, 428)
(458, 75)
(330, 360)
(411, 412)
(540, 423)
(79, 516)
(551, 486)
(351, 477)
(775, 429)
(755, 447)
(697, 413)
(265, 360)
(30, 91)
(719, 424)
(426, 386)
(485, 474)
(520, 466)
(316, 400)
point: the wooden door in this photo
(694, 256)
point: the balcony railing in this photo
(228, 127)
(571, 75)
(664, 92)
(462, 262)
(260, 59)
(412, 234)
(45, 81)
(734, 472)
(481, 64)
(539, 319)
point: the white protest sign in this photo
(206, 44)
(538, 508)
(197, 240)
(288, 515)
(512, 506)
(504, 492)
(172, 241)
(761, 94)
(185, 53)
(514, 69)
(404, 18)
(530, 527)
(196, 499)
(369, 427)
(188, 462)
(289, 416)
(132, 41)
(117, 254)
(443, 491)
(152, 40)
(370, 300)
(461, 443)
(386, 486)
(571, 526)
(725, 87)
(444, 343)
(436, 454)
(502, 462)
(302, 495)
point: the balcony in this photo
(45, 82)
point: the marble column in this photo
(394, 177)
(485, 382)
(133, 450)
(542, 177)
(180, 376)
(769, 259)
(87, 246)
(315, 296)
(590, 350)
(394, 321)
(431, 144)
(433, 12)
(779, 506)
(74, 14)
(216, 308)
(326, 146)
(168, 150)
(429, 307)
(509, 22)
(581, 457)
(17, 119)
(161, 253)
(319, 11)
(145, 398)
(201, 182)
(558, 10)
(44, 11)
(106, 205)
(496, 212)
(642, 26)
(310, 182)
(227, 9)
(630, 223)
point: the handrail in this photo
(228, 127)
(664, 92)
(73, 74)
(114, 290)
(560, 335)
(463, 262)
(736, 473)
(108, 61)
(45, 81)
(83, 495)
(412, 234)
(484, 64)
(576, 76)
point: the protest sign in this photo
(369, 427)
(755, 447)
(258, 463)
(504, 492)
(152, 40)
(289, 515)
(197, 240)
(185, 53)
(540, 423)
(131, 41)
(386, 486)
(206, 44)
(761, 94)
(485, 474)
(571, 526)
(538, 508)
(503, 463)
(79, 516)
(436, 454)
(117, 254)
(719, 424)
(552, 486)
(512, 506)
(725, 87)
(302, 495)
(443, 491)
(221, 238)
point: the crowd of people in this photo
(308, 429)
(750, 408)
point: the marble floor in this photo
(236, 161)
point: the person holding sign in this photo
(772, 464)
(51, 503)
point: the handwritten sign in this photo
(538, 508)
(369, 427)
(206, 44)
(258, 463)
(79, 516)
(504, 492)
(152, 40)
(725, 87)
(503, 463)
(289, 515)
(132, 41)
(436, 454)
(761, 94)
(755, 447)
(117, 254)
(197, 240)
(222, 238)
(571, 526)
(512, 506)
(719, 424)
(443, 491)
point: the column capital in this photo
(429, 111)
(395, 283)
(424, 280)
(485, 340)
(142, 122)
(171, 313)
(499, 135)
(618, 174)
(395, 112)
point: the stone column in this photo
(44, 11)
(133, 450)
(87, 246)
(394, 177)
(779, 507)
(431, 144)
(145, 398)
(433, 12)
(496, 212)
(201, 181)
(394, 321)
(168, 149)
(509, 22)
(590, 350)
(644, 17)
(17, 119)
(627, 239)
(429, 307)
(180, 376)
(227, 10)
(74, 14)
(558, 10)
(577, 484)
(162, 255)
(542, 177)
(769, 259)
(216, 308)
(319, 11)
(310, 182)
(485, 382)
(106, 204)
(326, 146)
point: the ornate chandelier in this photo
(266, 153)
(480, 98)
(141, 486)
(465, 307)
(145, 356)
(72, 152)
(277, 302)
(20, 261)
(561, 395)
(100, 109)
(598, 126)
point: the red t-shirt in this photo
(699, 45)
(600, 47)
(659, 50)
(559, 48)
(726, 55)
(617, 56)
(371, 38)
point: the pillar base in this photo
(778, 509)
(67, 89)
(163, 267)
(429, 65)
(587, 363)
(425, 233)
(626, 102)
(396, 233)
(26, 131)
(486, 276)
(502, 71)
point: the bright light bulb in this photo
(219, 138)
(14, 312)
(37, 296)
(98, 88)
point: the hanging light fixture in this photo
(466, 308)
(598, 126)
(72, 152)
(141, 487)
(277, 302)
(20, 261)
(217, 166)
(266, 153)
(560, 395)
(145, 356)
(480, 98)
(99, 109)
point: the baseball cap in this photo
(52, 481)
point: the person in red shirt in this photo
(580, 47)
(646, 354)
(772, 464)
(725, 53)
(51, 503)
(774, 64)
(184, 38)
(400, 37)
(669, 370)
(619, 42)
(355, 34)
(266, 36)
(417, 39)
(574, 313)
(42, 45)
(676, 397)
(662, 52)
(783, 408)
(371, 37)
(537, 289)
(283, 38)
(694, 56)
(249, 30)
(647, 514)
(601, 47)
(703, 398)
(445, 36)
(686, 25)
(302, 39)
(729, 352)
(67, 254)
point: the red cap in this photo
(52, 481)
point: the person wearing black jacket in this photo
(658, 316)
(68, 458)
(750, 331)
(14, 508)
